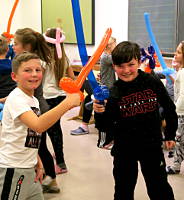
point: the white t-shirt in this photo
(50, 90)
(19, 144)
(179, 92)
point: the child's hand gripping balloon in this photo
(101, 93)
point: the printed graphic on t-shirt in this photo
(138, 103)
(33, 138)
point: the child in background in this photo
(107, 77)
(132, 118)
(179, 102)
(10, 54)
(54, 95)
(22, 126)
(87, 113)
(6, 82)
(29, 40)
(107, 73)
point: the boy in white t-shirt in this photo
(21, 131)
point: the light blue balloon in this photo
(1, 111)
(155, 45)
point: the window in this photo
(166, 20)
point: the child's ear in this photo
(13, 76)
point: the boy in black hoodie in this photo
(131, 118)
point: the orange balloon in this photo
(148, 69)
(7, 33)
(71, 86)
(94, 58)
(68, 85)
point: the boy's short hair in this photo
(125, 51)
(23, 57)
(3, 45)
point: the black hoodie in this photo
(132, 113)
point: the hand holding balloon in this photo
(100, 93)
(69, 85)
(99, 108)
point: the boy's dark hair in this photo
(3, 45)
(23, 57)
(124, 52)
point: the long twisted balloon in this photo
(7, 33)
(166, 70)
(81, 40)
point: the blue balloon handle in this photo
(101, 92)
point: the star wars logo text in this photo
(137, 103)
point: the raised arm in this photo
(45, 121)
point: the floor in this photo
(89, 174)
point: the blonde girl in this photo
(179, 102)
(60, 67)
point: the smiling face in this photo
(28, 76)
(127, 71)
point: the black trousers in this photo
(152, 164)
(56, 137)
(55, 132)
(44, 153)
(86, 112)
(46, 157)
